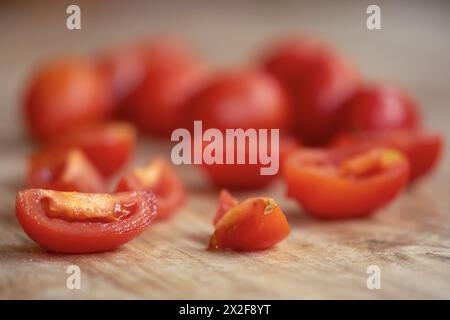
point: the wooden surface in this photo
(409, 240)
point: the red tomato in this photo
(160, 178)
(422, 149)
(108, 146)
(254, 224)
(65, 171)
(241, 99)
(72, 222)
(345, 183)
(63, 95)
(158, 106)
(124, 70)
(247, 176)
(317, 81)
(226, 202)
(379, 107)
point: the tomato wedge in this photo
(72, 222)
(345, 183)
(159, 177)
(109, 146)
(423, 149)
(64, 171)
(254, 224)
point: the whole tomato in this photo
(379, 107)
(65, 94)
(317, 80)
(244, 99)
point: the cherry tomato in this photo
(72, 222)
(318, 81)
(108, 146)
(379, 107)
(226, 202)
(254, 224)
(65, 171)
(345, 183)
(423, 149)
(63, 95)
(241, 99)
(159, 177)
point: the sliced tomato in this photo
(226, 202)
(64, 171)
(347, 182)
(108, 146)
(254, 224)
(72, 222)
(423, 149)
(159, 177)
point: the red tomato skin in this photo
(244, 99)
(249, 226)
(61, 236)
(226, 202)
(66, 171)
(379, 107)
(158, 106)
(337, 198)
(168, 189)
(317, 81)
(108, 146)
(63, 95)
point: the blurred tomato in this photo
(64, 170)
(318, 81)
(241, 99)
(108, 146)
(379, 107)
(65, 94)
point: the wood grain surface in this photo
(409, 240)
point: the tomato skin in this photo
(226, 202)
(59, 235)
(108, 146)
(64, 171)
(379, 107)
(158, 106)
(160, 178)
(241, 99)
(63, 95)
(317, 80)
(315, 179)
(423, 149)
(254, 224)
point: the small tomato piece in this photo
(345, 183)
(64, 95)
(108, 146)
(159, 177)
(64, 171)
(72, 222)
(254, 224)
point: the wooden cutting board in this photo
(409, 240)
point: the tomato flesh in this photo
(226, 202)
(71, 222)
(345, 183)
(64, 171)
(423, 149)
(254, 224)
(159, 177)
